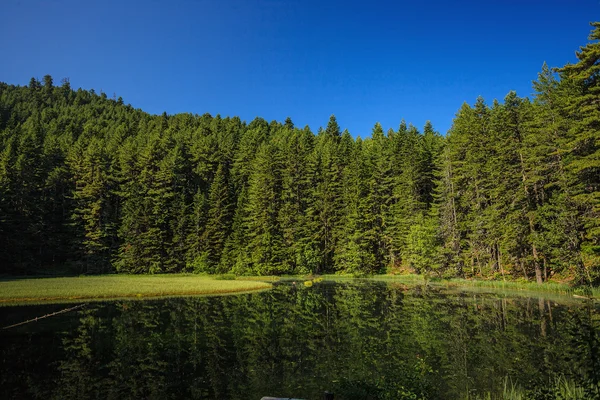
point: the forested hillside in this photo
(91, 185)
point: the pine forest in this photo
(89, 185)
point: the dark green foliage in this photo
(354, 248)
(264, 251)
(581, 147)
(521, 179)
(94, 206)
(218, 219)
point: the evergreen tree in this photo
(48, 83)
(324, 210)
(264, 251)
(354, 248)
(94, 207)
(582, 145)
(557, 235)
(405, 205)
(380, 191)
(218, 221)
(296, 147)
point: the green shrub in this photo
(225, 277)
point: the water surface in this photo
(359, 339)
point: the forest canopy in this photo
(89, 184)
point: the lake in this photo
(357, 339)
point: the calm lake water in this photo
(357, 339)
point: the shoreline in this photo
(20, 291)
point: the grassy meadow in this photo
(31, 290)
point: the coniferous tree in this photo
(557, 236)
(94, 211)
(582, 145)
(48, 83)
(380, 191)
(354, 248)
(218, 221)
(406, 205)
(264, 251)
(324, 210)
(297, 146)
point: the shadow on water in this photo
(360, 340)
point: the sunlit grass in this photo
(559, 388)
(509, 286)
(141, 286)
(551, 287)
(119, 286)
(265, 278)
(406, 278)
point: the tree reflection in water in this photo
(358, 339)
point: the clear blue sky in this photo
(364, 61)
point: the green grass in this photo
(550, 287)
(263, 278)
(118, 286)
(404, 278)
(529, 286)
(515, 287)
(559, 387)
(69, 289)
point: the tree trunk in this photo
(524, 270)
(538, 270)
(500, 261)
(536, 261)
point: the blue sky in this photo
(364, 61)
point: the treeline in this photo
(92, 184)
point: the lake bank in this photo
(513, 285)
(103, 287)
(15, 290)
